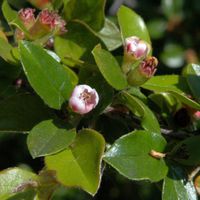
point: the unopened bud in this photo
(134, 49)
(83, 99)
(27, 16)
(47, 22)
(196, 115)
(143, 72)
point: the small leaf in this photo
(5, 51)
(193, 79)
(22, 112)
(109, 68)
(47, 77)
(129, 155)
(14, 180)
(173, 84)
(110, 35)
(163, 83)
(176, 185)
(187, 151)
(132, 24)
(80, 165)
(74, 45)
(90, 12)
(47, 138)
(148, 119)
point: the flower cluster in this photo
(45, 23)
(137, 65)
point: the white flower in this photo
(83, 99)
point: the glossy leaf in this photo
(80, 165)
(129, 155)
(174, 84)
(47, 77)
(5, 51)
(47, 138)
(91, 12)
(109, 68)
(148, 119)
(15, 180)
(187, 151)
(132, 24)
(193, 79)
(74, 45)
(27, 195)
(21, 112)
(110, 35)
(176, 185)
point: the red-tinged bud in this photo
(143, 72)
(135, 50)
(197, 115)
(83, 99)
(27, 16)
(48, 22)
(41, 4)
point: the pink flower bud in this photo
(47, 22)
(136, 48)
(143, 72)
(148, 67)
(52, 20)
(196, 115)
(27, 16)
(83, 99)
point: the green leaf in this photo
(176, 186)
(148, 119)
(174, 84)
(5, 51)
(132, 24)
(91, 12)
(47, 138)
(129, 155)
(193, 79)
(47, 77)
(187, 151)
(109, 68)
(21, 113)
(163, 83)
(74, 45)
(27, 195)
(12, 17)
(80, 165)
(14, 180)
(110, 35)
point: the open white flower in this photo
(83, 99)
